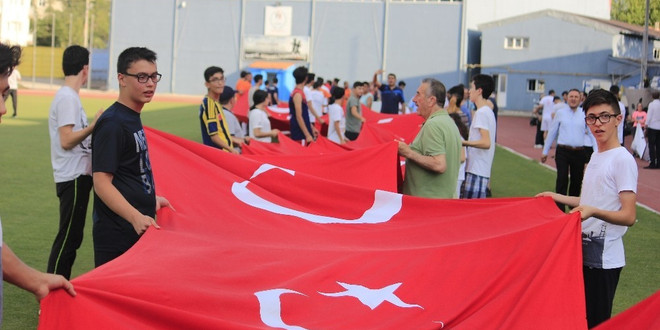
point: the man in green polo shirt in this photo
(434, 157)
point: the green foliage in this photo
(70, 22)
(634, 11)
(28, 205)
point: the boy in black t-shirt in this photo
(125, 201)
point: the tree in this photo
(70, 22)
(634, 11)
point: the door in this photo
(501, 90)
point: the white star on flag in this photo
(372, 297)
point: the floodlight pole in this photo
(645, 49)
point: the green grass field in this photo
(28, 205)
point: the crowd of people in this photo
(450, 157)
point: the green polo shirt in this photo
(439, 135)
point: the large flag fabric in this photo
(644, 315)
(262, 245)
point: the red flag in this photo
(258, 245)
(641, 316)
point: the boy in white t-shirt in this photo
(71, 157)
(606, 204)
(481, 140)
(337, 120)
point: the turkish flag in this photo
(644, 315)
(267, 244)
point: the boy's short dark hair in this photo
(391, 75)
(357, 84)
(310, 76)
(457, 91)
(300, 74)
(655, 95)
(10, 57)
(600, 96)
(226, 95)
(317, 84)
(275, 80)
(134, 54)
(74, 59)
(259, 96)
(244, 73)
(402, 83)
(337, 94)
(486, 84)
(210, 71)
(614, 89)
(258, 78)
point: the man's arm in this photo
(375, 80)
(571, 201)
(297, 104)
(25, 277)
(623, 217)
(117, 203)
(482, 143)
(222, 144)
(339, 133)
(316, 115)
(436, 163)
(552, 135)
(356, 114)
(272, 133)
(238, 141)
(70, 138)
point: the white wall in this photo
(483, 11)
(15, 22)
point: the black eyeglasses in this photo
(143, 77)
(214, 80)
(604, 118)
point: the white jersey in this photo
(319, 102)
(259, 119)
(548, 104)
(336, 113)
(607, 174)
(480, 161)
(623, 121)
(65, 110)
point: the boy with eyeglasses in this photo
(606, 205)
(125, 202)
(215, 130)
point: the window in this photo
(656, 54)
(535, 85)
(516, 43)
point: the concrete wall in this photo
(348, 38)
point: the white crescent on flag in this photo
(386, 204)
